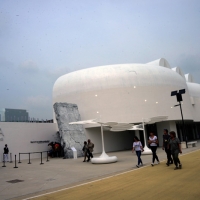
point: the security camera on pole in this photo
(179, 98)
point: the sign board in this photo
(73, 149)
(39, 142)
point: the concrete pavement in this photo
(61, 173)
(158, 182)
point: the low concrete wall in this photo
(113, 141)
(18, 136)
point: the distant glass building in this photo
(14, 115)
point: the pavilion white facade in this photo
(130, 93)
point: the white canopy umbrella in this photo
(116, 127)
(151, 120)
(104, 158)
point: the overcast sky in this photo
(41, 40)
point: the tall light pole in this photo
(179, 98)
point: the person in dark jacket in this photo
(175, 147)
(6, 151)
(166, 138)
(85, 150)
(90, 150)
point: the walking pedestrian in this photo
(90, 150)
(175, 147)
(166, 138)
(85, 150)
(153, 142)
(5, 154)
(137, 147)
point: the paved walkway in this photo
(158, 182)
(63, 173)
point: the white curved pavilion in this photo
(128, 93)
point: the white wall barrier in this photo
(27, 137)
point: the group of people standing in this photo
(55, 149)
(87, 150)
(171, 145)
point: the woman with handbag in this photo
(175, 147)
(153, 143)
(137, 147)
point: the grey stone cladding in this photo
(71, 135)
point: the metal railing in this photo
(29, 156)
